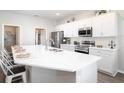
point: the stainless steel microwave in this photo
(85, 32)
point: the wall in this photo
(27, 25)
(121, 44)
(104, 41)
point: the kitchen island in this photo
(54, 65)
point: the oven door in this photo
(85, 52)
(82, 32)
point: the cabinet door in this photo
(97, 27)
(107, 59)
(87, 22)
(109, 24)
(105, 25)
(68, 30)
(74, 29)
(71, 29)
(60, 27)
(84, 23)
(96, 53)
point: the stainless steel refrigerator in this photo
(57, 38)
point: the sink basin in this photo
(55, 50)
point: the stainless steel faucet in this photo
(47, 42)
(112, 44)
(51, 40)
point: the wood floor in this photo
(102, 78)
(2, 76)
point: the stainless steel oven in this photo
(84, 47)
(85, 32)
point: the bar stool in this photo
(12, 72)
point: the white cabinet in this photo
(68, 47)
(85, 23)
(97, 27)
(108, 63)
(109, 24)
(105, 25)
(74, 29)
(70, 29)
(57, 28)
(67, 30)
(60, 27)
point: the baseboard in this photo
(115, 74)
(111, 74)
(121, 71)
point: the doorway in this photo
(40, 36)
(11, 36)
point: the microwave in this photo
(85, 32)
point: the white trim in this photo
(115, 74)
(108, 73)
(3, 32)
(121, 71)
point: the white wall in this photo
(104, 41)
(28, 25)
(121, 44)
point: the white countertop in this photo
(65, 60)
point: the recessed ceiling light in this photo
(57, 14)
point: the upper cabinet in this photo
(70, 29)
(105, 25)
(85, 23)
(60, 27)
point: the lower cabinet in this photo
(67, 47)
(108, 63)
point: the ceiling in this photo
(50, 14)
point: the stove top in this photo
(84, 47)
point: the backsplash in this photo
(104, 41)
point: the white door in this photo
(11, 36)
(40, 36)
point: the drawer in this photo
(100, 52)
(94, 52)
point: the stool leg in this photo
(8, 79)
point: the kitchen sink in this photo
(56, 50)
